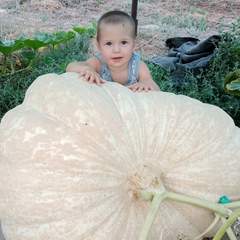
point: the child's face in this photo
(116, 44)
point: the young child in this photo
(116, 61)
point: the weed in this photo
(192, 9)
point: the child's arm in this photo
(145, 81)
(89, 70)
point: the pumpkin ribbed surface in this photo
(74, 155)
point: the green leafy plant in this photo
(90, 31)
(44, 40)
(41, 40)
(30, 47)
(232, 83)
(61, 37)
(7, 48)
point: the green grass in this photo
(206, 87)
(185, 21)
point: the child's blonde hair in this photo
(115, 17)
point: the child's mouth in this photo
(117, 59)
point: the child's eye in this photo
(124, 42)
(108, 43)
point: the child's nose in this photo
(116, 48)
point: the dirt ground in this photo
(157, 20)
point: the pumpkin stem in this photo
(232, 205)
(214, 207)
(156, 202)
(158, 195)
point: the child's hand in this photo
(89, 75)
(143, 86)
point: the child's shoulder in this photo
(136, 55)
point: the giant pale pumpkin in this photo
(75, 157)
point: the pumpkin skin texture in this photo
(73, 156)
